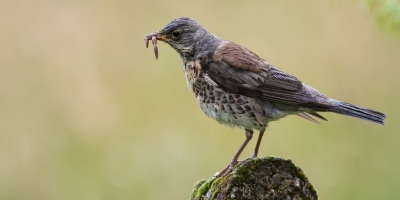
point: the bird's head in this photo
(186, 36)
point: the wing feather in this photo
(239, 70)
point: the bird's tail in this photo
(358, 112)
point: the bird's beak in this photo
(154, 37)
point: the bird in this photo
(237, 88)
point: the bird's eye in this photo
(176, 34)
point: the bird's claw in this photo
(227, 169)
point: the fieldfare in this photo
(239, 89)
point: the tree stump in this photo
(258, 178)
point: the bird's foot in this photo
(227, 169)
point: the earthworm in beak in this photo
(154, 41)
(146, 39)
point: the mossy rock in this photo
(258, 178)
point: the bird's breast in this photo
(192, 71)
(227, 108)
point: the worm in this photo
(146, 39)
(154, 42)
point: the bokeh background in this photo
(86, 112)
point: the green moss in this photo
(196, 188)
(255, 163)
(301, 174)
(242, 172)
(201, 188)
(215, 187)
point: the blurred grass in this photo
(88, 113)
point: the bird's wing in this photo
(238, 70)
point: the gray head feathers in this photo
(190, 39)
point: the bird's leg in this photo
(234, 161)
(255, 153)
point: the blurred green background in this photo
(86, 112)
